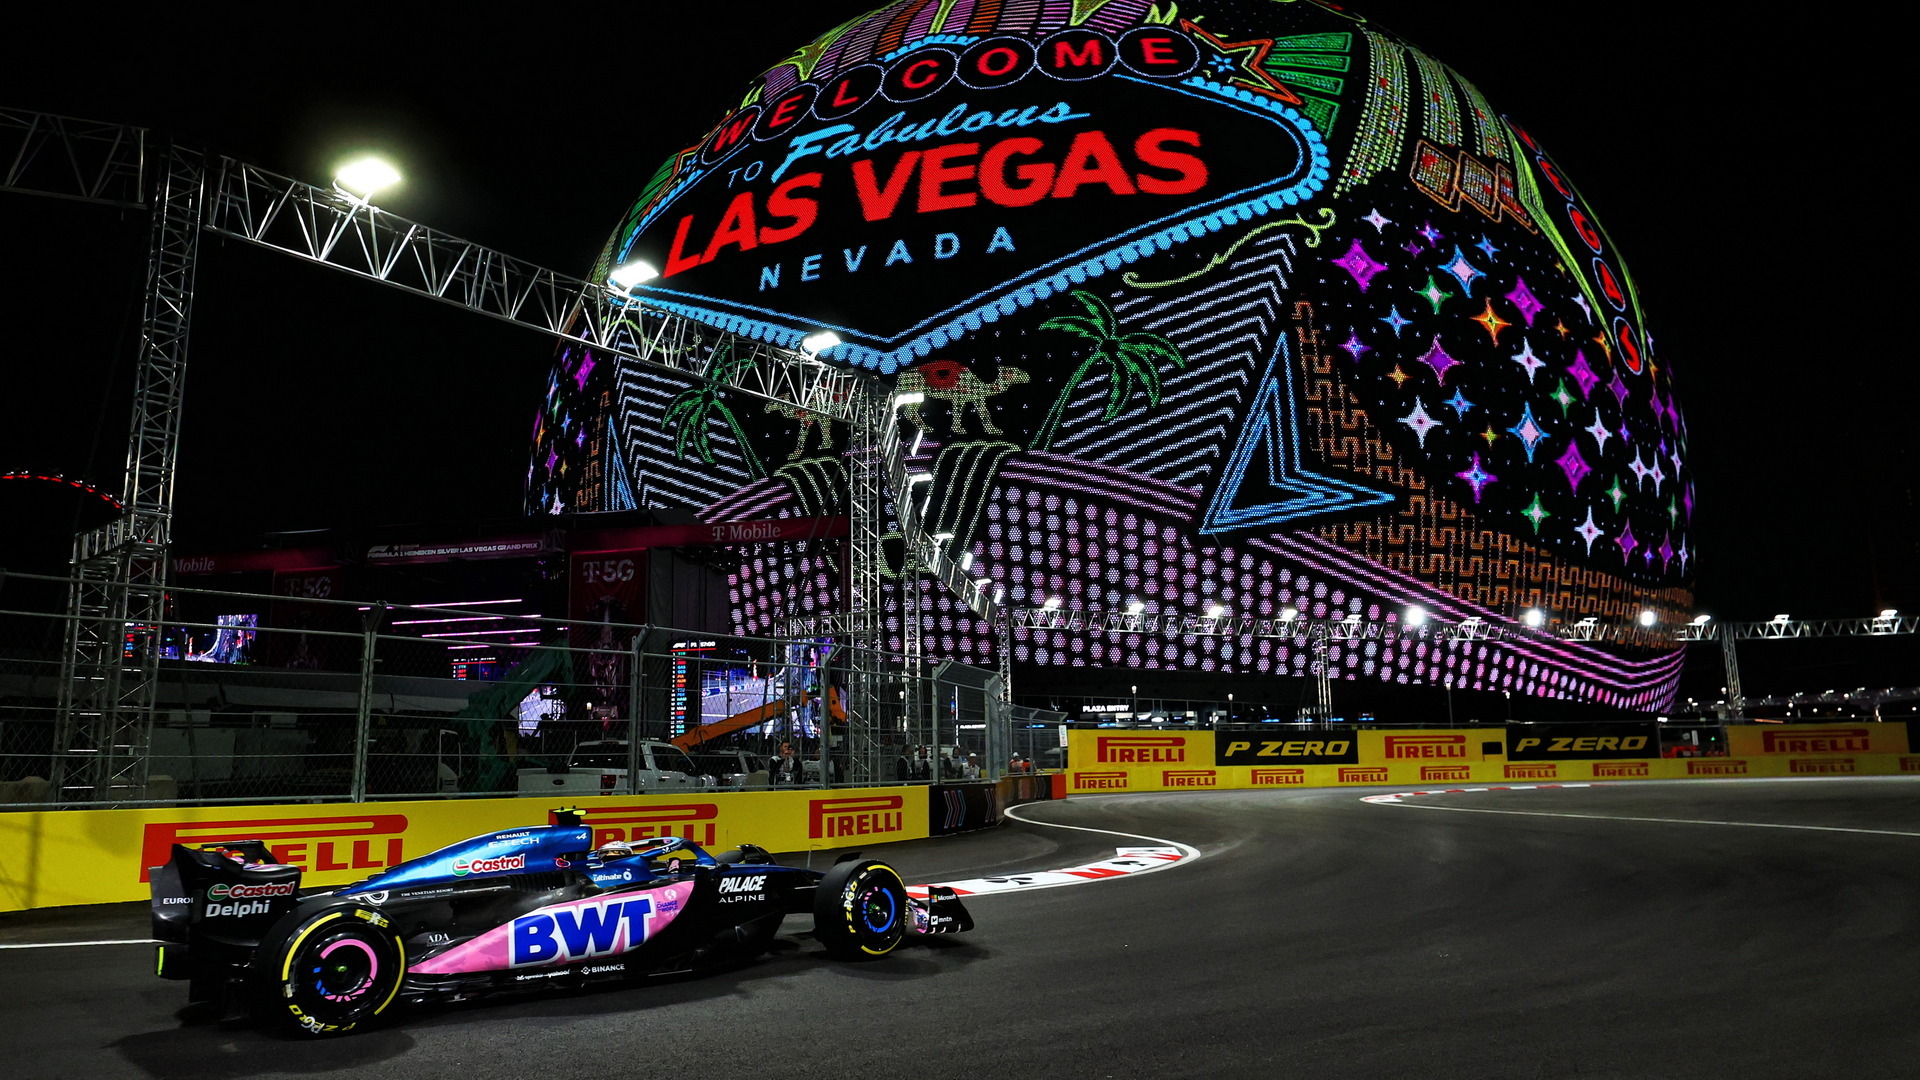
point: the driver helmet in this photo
(613, 849)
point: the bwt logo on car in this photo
(1426, 746)
(1274, 777)
(861, 816)
(1803, 766)
(374, 845)
(1716, 768)
(579, 931)
(698, 822)
(463, 867)
(1819, 741)
(1620, 768)
(1139, 749)
(1187, 778)
(1547, 771)
(1099, 781)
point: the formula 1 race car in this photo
(517, 909)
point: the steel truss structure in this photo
(1782, 628)
(119, 598)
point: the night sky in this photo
(1735, 165)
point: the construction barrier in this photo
(1129, 760)
(59, 858)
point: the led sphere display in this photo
(1223, 306)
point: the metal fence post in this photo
(634, 698)
(363, 711)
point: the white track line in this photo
(1051, 879)
(77, 944)
(1402, 799)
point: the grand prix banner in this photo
(1105, 761)
(59, 858)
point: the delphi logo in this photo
(316, 844)
(1445, 772)
(692, 821)
(1140, 749)
(1619, 768)
(1187, 778)
(1426, 746)
(1278, 777)
(1816, 741)
(858, 816)
(1099, 781)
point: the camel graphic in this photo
(950, 381)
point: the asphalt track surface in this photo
(1629, 930)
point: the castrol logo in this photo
(462, 867)
(223, 891)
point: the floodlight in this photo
(637, 272)
(815, 344)
(1416, 616)
(362, 177)
(1533, 616)
(1647, 618)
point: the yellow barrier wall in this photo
(1138, 760)
(57, 858)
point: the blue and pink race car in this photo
(517, 909)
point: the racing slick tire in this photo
(860, 910)
(327, 970)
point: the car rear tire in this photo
(860, 910)
(328, 971)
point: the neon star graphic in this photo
(1583, 374)
(1361, 265)
(1420, 422)
(1626, 541)
(1439, 360)
(1606, 345)
(1477, 476)
(586, 368)
(1378, 220)
(1245, 68)
(1574, 466)
(1435, 294)
(1560, 328)
(1673, 511)
(1684, 556)
(1658, 475)
(1413, 247)
(1486, 247)
(1666, 549)
(1355, 346)
(1490, 435)
(1581, 300)
(553, 459)
(1687, 501)
(1527, 431)
(1536, 513)
(1396, 320)
(1494, 324)
(1462, 270)
(1431, 234)
(1639, 471)
(1398, 376)
(1619, 388)
(1617, 494)
(1458, 403)
(1525, 357)
(556, 506)
(1588, 531)
(1599, 432)
(1562, 397)
(1524, 301)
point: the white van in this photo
(600, 768)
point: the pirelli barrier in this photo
(58, 858)
(1108, 761)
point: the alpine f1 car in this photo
(516, 909)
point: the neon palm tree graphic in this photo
(690, 410)
(1133, 362)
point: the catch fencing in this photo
(279, 699)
